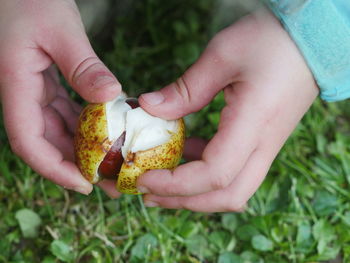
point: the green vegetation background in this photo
(300, 214)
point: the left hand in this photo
(268, 88)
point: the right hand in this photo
(268, 88)
(39, 116)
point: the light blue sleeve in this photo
(321, 30)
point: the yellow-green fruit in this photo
(91, 141)
(147, 142)
(165, 156)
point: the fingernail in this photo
(106, 81)
(153, 98)
(151, 204)
(143, 189)
(82, 190)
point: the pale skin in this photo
(268, 88)
(267, 84)
(39, 116)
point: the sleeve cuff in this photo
(321, 30)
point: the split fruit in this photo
(118, 140)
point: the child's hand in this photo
(39, 116)
(268, 88)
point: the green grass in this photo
(301, 213)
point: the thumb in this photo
(72, 52)
(193, 90)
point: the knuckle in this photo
(186, 204)
(84, 66)
(218, 46)
(17, 146)
(216, 51)
(170, 190)
(221, 181)
(218, 40)
(182, 89)
(270, 114)
(176, 187)
(243, 31)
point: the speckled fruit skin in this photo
(91, 141)
(165, 156)
(91, 144)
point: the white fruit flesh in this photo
(116, 115)
(143, 131)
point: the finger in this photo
(65, 109)
(195, 89)
(223, 158)
(70, 48)
(194, 148)
(50, 88)
(108, 187)
(59, 100)
(54, 91)
(231, 199)
(53, 73)
(52, 79)
(62, 92)
(56, 133)
(25, 127)
(76, 107)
